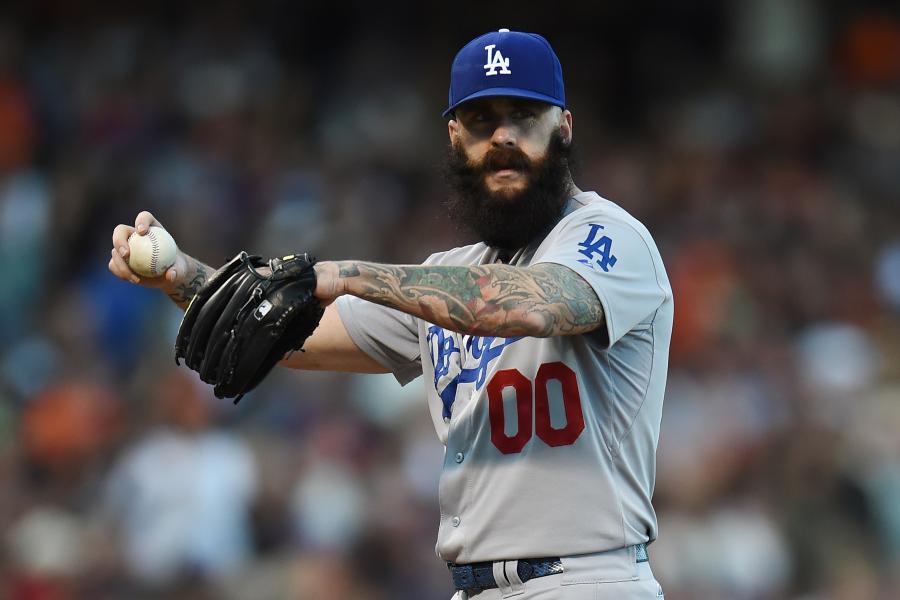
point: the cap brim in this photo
(508, 92)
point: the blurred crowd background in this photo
(759, 140)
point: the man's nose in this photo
(504, 135)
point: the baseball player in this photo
(544, 347)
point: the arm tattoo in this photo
(184, 292)
(349, 270)
(501, 300)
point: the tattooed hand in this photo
(180, 282)
(499, 300)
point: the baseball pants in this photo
(613, 575)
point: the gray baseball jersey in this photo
(550, 442)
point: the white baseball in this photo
(151, 254)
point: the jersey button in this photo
(459, 457)
(455, 521)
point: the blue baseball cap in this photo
(506, 63)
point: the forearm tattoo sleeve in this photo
(500, 300)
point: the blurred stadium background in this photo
(758, 139)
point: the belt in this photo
(481, 575)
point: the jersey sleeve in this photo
(617, 259)
(388, 336)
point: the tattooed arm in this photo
(501, 300)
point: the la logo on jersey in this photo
(597, 249)
(495, 60)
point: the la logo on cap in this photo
(495, 60)
(537, 76)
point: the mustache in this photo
(500, 158)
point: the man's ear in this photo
(565, 126)
(453, 131)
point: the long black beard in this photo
(502, 221)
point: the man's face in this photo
(485, 127)
(508, 167)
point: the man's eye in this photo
(523, 114)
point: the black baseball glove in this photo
(243, 321)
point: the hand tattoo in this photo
(185, 292)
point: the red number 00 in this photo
(524, 402)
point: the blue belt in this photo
(481, 575)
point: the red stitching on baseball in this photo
(154, 253)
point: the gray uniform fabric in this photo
(550, 442)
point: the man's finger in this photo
(120, 268)
(144, 220)
(120, 239)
